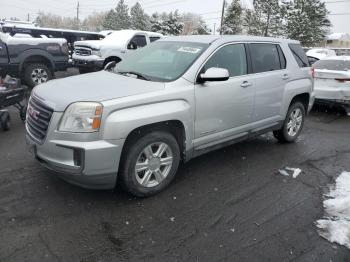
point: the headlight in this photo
(82, 117)
(96, 52)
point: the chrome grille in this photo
(82, 51)
(38, 119)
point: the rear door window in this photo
(154, 38)
(337, 65)
(299, 55)
(265, 58)
(231, 57)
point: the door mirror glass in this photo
(215, 74)
(132, 45)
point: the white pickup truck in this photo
(93, 55)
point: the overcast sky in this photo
(210, 9)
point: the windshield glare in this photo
(162, 61)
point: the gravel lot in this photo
(228, 205)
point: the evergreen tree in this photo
(251, 23)
(201, 28)
(121, 18)
(139, 19)
(232, 23)
(267, 18)
(172, 25)
(109, 20)
(306, 21)
(156, 23)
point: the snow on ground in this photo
(296, 171)
(335, 226)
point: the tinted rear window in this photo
(265, 57)
(299, 55)
(339, 65)
(154, 38)
(140, 40)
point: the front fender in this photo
(120, 123)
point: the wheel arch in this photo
(37, 58)
(174, 127)
(304, 98)
(111, 58)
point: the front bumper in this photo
(89, 164)
(88, 62)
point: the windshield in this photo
(337, 65)
(162, 61)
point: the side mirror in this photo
(132, 45)
(110, 65)
(215, 74)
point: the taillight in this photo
(342, 80)
(313, 72)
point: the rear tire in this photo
(5, 121)
(149, 163)
(35, 74)
(293, 124)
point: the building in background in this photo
(337, 40)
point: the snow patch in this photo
(335, 226)
(296, 171)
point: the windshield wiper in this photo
(139, 75)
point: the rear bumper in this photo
(333, 93)
(311, 102)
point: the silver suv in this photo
(168, 102)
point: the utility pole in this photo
(222, 15)
(78, 11)
(214, 28)
(78, 15)
(28, 17)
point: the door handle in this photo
(245, 84)
(285, 77)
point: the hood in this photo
(94, 44)
(96, 87)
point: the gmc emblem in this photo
(33, 113)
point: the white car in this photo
(332, 80)
(318, 53)
(93, 55)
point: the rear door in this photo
(271, 76)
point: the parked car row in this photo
(35, 54)
(168, 102)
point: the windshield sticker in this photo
(188, 49)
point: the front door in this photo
(224, 109)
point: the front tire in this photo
(35, 74)
(293, 124)
(149, 163)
